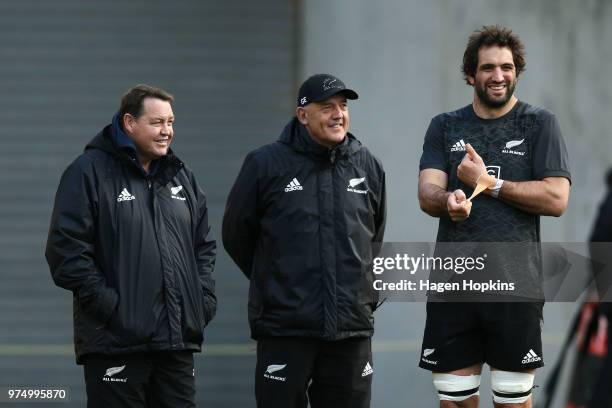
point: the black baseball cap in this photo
(319, 87)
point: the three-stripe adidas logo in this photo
(531, 357)
(294, 185)
(458, 147)
(367, 370)
(125, 196)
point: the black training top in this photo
(525, 144)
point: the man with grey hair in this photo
(300, 222)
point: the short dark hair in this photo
(486, 37)
(132, 100)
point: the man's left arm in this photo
(548, 196)
(549, 193)
(205, 248)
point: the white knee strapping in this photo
(456, 387)
(511, 387)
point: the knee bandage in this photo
(510, 387)
(456, 387)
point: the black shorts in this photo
(507, 336)
(292, 372)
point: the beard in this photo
(492, 102)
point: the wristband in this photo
(495, 190)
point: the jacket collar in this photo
(108, 141)
(297, 137)
(120, 138)
(123, 142)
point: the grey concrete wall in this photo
(63, 67)
(403, 57)
(231, 66)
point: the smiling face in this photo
(152, 131)
(327, 122)
(495, 78)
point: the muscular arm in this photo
(436, 201)
(548, 196)
(432, 192)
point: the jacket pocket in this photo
(131, 326)
(193, 308)
(90, 331)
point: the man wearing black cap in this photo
(299, 222)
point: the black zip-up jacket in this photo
(135, 250)
(300, 222)
(601, 236)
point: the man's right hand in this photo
(458, 207)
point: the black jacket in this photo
(135, 250)
(600, 248)
(300, 222)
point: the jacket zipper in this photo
(334, 329)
